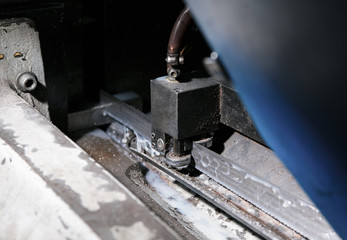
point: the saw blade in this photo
(298, 214)
(224, 199)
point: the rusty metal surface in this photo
(80, 199)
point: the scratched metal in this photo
(301, 215)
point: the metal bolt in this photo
(160, 144)
(2, 56)
(27, 81)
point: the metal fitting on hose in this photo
(173, 73)
(173, 61)
(174, 58)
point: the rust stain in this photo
(262, 218)
(18, 54)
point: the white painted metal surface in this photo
(29, 209)
(50, 188)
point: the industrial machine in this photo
(136, 121)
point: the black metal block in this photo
(235, 115)
(184, 110)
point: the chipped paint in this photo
(135, 231)
(67, 179)
(33, 211)
(91, 188)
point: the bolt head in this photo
(160, 144)
(27, 81)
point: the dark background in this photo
(88, 45)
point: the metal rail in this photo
(267, 209)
